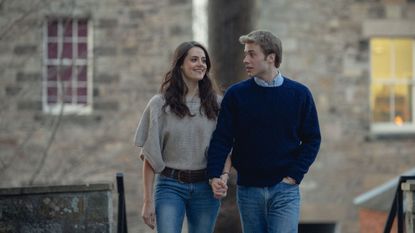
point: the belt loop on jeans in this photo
(171, 172)
(178, 176)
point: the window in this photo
(392, 85)
(67, 73)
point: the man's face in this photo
(256, 64)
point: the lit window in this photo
(392, 85)
(67, 71)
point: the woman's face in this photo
(194, 65)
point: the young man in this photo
(270, 123)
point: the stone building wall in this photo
(132, 45)
(326, 46)
(408, 193)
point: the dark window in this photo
(67, 75)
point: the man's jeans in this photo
(273, 209)
(174, 199)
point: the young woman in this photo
(174, 133)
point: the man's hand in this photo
(148, 213)
(225, 177)
(289, 180)
(219, 188)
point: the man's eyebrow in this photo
(249, 51)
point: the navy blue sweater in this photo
(273, 133)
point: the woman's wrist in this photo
(225, 176)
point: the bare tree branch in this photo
(25, 14)
(19, 151)
(51, 139)
(59, 117)
(83, 158)
(3, 164)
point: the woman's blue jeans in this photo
(174, 199)
(273, 209)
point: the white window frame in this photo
(68, 108)
(391, 128)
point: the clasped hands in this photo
(220, 186)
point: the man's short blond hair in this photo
(267, 41)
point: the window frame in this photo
(390, 127)
(74, 62)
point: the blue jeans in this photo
(273, 209)
(174, 199)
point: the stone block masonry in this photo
(56, 209)
(408, 189)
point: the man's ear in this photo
(271, 57)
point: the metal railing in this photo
(122, 216)
(397, 207)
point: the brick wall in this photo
(373, 221)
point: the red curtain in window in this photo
(67, 53)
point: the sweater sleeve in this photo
(222, 138)
(148, 135)
(310, 140)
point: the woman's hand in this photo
(219, 188)
(148, 213)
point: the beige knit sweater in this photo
(167, 140)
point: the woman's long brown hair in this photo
(174, 88)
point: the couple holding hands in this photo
(266, 127)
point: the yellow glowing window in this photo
(392, 81)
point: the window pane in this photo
(381, 55)
(82, 50)
(52, 73)
(67, 92)
(82, 73)
(403, 50)
(402, 103)
(67, 50)
(411, 103)
(52, 92)
(82, 28)
(67, 28)
(381, 103)
(82, 95)
(53, 28)
(52, 50)
(66, 73)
